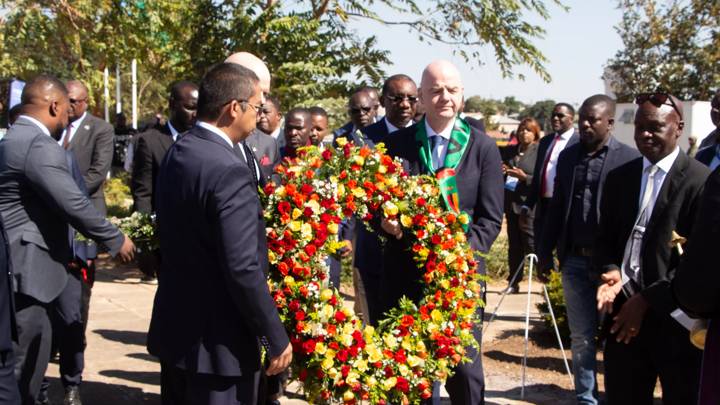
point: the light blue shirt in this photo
(440, 149)
(716, 159)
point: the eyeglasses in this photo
(361, 110)
(257, 107)
(78, 100)
(399, 99)
(658, 99)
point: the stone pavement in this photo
(120, 371)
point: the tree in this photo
(512, 106)
(307, 44)
(541, 111)
(670, 46)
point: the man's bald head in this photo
(45, 98)
(441, 93)
(255, 64)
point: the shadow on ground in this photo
(97, 393)
(535, 394)
(542, 363)
(123, 336)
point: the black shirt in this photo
(583, 221)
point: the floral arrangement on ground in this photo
(336, 357)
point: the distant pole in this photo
(118, 94)
(134, 94)
(106, 94)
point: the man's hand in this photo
(392, 226)
(280, 363)
(608, 290)
(518, 173)
(127, 251)
(347, 250)
(628, 321)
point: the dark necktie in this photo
(249, 158)
(66, 138)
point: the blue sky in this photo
(577, 44)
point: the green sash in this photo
(445, 176)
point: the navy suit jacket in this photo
(555, 228)
(480, 188)
(706, 155)
(533, 195)
(212, 304)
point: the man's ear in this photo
(681, 125)
(611, 123)
(54, 108)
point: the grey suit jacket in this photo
(92, 145)
(38, 199)
(266, 151)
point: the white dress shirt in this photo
(174, 132)
(664, 167)
(73, 129)
(392, 128)
(37, 123)
(551, 169)
(215, 130)
(438, 153)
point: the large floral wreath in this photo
(335, 356)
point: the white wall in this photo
(697, 122)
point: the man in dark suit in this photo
(697, 288)
(91, 141)
(8, 385)
(270, 119)
(713, 137)
(211, 232)
(152, 145)
(549, 148)
(571, 225)
(709, 156)
(400, 99)
(362, 112)
(36, 186)
(449, 142)
(645, 202)
(265, 150)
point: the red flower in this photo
(340, 316)
(309, 346)
(407, 321)
(400, 356)
(327, 154)
(435, 239)
(294, 305)
(342, 355)
(299, 316)
(303, 374)
(334, 345)
(284, 207)
(306, 189)
(402, 384)
(310, 249)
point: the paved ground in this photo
(119, 370)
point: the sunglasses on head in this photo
(658, 99)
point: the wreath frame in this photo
(334, 355)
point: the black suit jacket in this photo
(8, 332)
(555, 226)
(527, 164)
(266, 151)
(697, 282)
(675, 209)
(543, 146)
(706, 155)
(212, 302)
(92, 146)
(150, 149)
(480, 188)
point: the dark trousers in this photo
(149, 262)
(661, 349)
(69, 322)
(179, 387)
(9, 394)
(32, 349)
(372, 282)
(521, 241)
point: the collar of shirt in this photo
(567, 134)
(445, 133)
(392, 128)
(276, 133)
(665, 164)
(173, 132)
(37, 123)
(74, 125)
(212, 128)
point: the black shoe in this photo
(72, 396)
(512, 289)
(149, 280)
(42, 401)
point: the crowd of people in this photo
(631, 230)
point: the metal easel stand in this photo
(531, 261)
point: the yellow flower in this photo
(358, 192)
(374, 355)
(341, 141)
(333, 228)
(432, 327)
(330, 354)
(326, 294)
(424, 252)
(361, 365)
(406, 221)
(348, 395)
(327, 364)
(359, 160)
(295, 226)
(289, 281)
(464, 218)
(314, 206)
(406, 344)
(271, 257)
(382, 169)
(326, 313)
(445, 284)
(392, 181)
(333, 372)
(450, 258)
(352, 377)
(280, 191)
(320, 348)
(347, 340)
(296, 213)
(414, 361)
(390, 209)
(420, 346)
(430, 227)
(390, 341)
(341, 190)
(389, 383)
(369, 332)
(371, 381)
(306, 231)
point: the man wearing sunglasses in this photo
(644, 204)
(362, 112)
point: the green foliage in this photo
(557, 299)
(496, 264)
(541, 111)
(117, 196)
(307, 44)
(672, 46)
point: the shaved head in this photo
(255, 64)
(42, 90)
(441, 94)
(45, 98)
